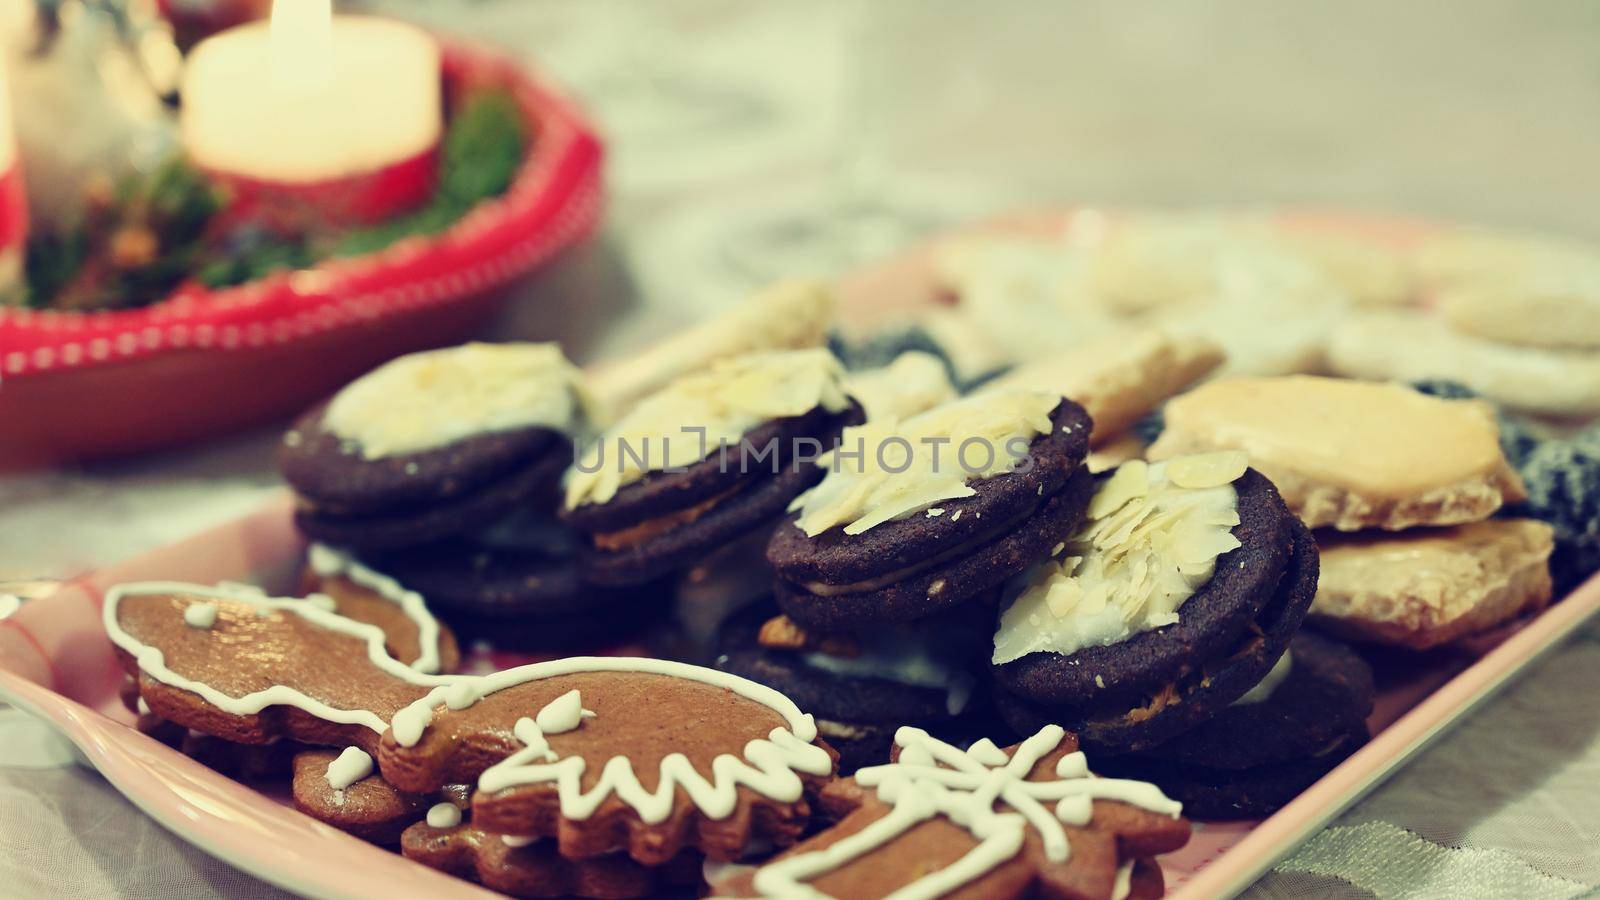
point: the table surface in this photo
(737, 127)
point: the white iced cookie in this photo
(689, 418)
(1414, 346)
(901, 468)
(1151, 539)
(1118, 378)
(915, 382)
(1351, 454)
(429, 400)
(1420, 589)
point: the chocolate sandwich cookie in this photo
(1178, 595)
(862, 687)
(933, 512)
(433, 444)
(708, 459)
(1261, 751)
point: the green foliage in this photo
(173, 208)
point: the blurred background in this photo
(752, 140)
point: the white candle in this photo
(310, 97)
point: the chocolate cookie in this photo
(708, 459)
(1125, 723)
(943, 555)
(433, 444)
(861, 687)
(1220, 794)
(1325, 694)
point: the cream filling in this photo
(1268, 685)
(908, 656)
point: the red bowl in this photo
(77, 385)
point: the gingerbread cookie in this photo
(709, 458)
(1028, 821)
(342, 789)
(1119, 378)
(1424, 588)
(613, 754)
(925, 515)
(1177, 595)
(537, 869)
(433, 444)
(1349, 454)
(251, 670)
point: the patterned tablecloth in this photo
(753, 139)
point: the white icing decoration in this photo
(200, 615)
(769, 766)
(350, 767)
(1269, 683)
(433, 399)
(512, 840)
(143, 707)
(563, 714)
(687, 420)
(444, 815)
(322, 602)
(932, 778)
(889, 469)
(1123, 886)
(153, 663)
(326, 562)
(1147, 545)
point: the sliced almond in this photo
(1207, 470)
(1129, 481)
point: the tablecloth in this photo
(755, 138)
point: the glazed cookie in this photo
(433, 444)
(1177, 595)
(1417, 346)
(641, 756)
(1119, 378)
(863, 686)
(914, 828)
(1350, 454)
(1252, 757)
(919, 517)
(707, 459)
(1424, 588)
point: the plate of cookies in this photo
(1038, 561)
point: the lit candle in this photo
(312, 119)
(13, 202)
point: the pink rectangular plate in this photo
(56, 662)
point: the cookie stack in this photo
(1401, 487)
(883, 569)
(1166, 623)
(442, 471)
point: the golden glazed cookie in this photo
(1350, 454)
(1426, 588)
(1414, 346)
(1120, 377)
